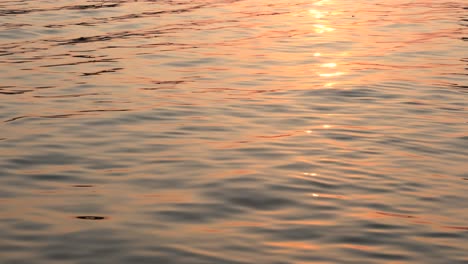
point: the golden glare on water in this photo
(321, 2)
(328, 65)
(319, 28)
(296, 245)
(333, 74)
(317, 14)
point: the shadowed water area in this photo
(233, 131)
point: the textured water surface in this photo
(224, 131)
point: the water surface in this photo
(224, 131)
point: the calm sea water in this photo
(230, 131)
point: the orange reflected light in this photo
(322, 2)
(330, 196)
(317, 54)
(294, 245)
(326, 126)
(329, 65)
(331, 74)
(322, 28)
(317, 14)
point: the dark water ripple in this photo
(233, 131)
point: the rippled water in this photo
(230, 131)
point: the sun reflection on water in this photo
(323, 25)
(322, 2)
(317, 14)
(329, 65)
(333, 74)
(320, 28)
